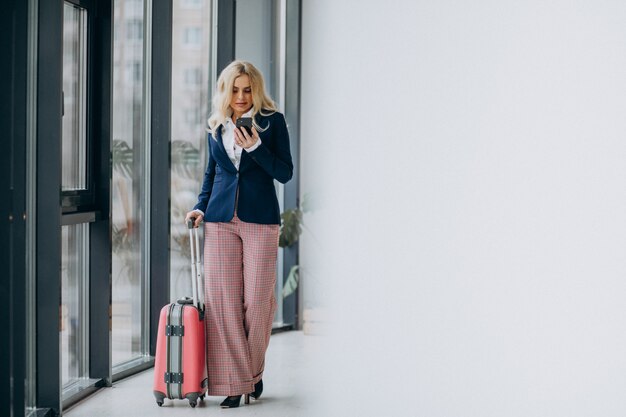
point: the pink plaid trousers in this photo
(240, 276)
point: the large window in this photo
(259, 38)
(74, 170)
(73, 311)
(78, 193)
(129, 184)
(190, 106)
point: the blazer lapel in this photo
(224, 159)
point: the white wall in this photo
(467, 160)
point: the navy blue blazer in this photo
(257, 202)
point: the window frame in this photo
(84, 200)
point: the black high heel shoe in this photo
(258, 390)
(233, 401)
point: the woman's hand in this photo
(195, 216)
(243, 139)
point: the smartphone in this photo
(246, 123)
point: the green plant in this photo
(185, 158)
(290, 228)
(291, 283)
(122, 157)
(122, 236)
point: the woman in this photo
(241, 225)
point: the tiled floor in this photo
(290, 359)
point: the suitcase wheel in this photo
(160, 397)
(192, 404)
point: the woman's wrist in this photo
(253, 147)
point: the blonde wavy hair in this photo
(261, 101)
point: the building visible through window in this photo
(193, 76)
(191, 4)
(192, 36)
(134, 30)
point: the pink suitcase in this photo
(180, 364)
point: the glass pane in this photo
(257, 20)
(73, 313)
(190, 100)
(128, 191)
(74, 147)
(258, 26)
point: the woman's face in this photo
(242, 95)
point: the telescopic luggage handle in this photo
(194, 248)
